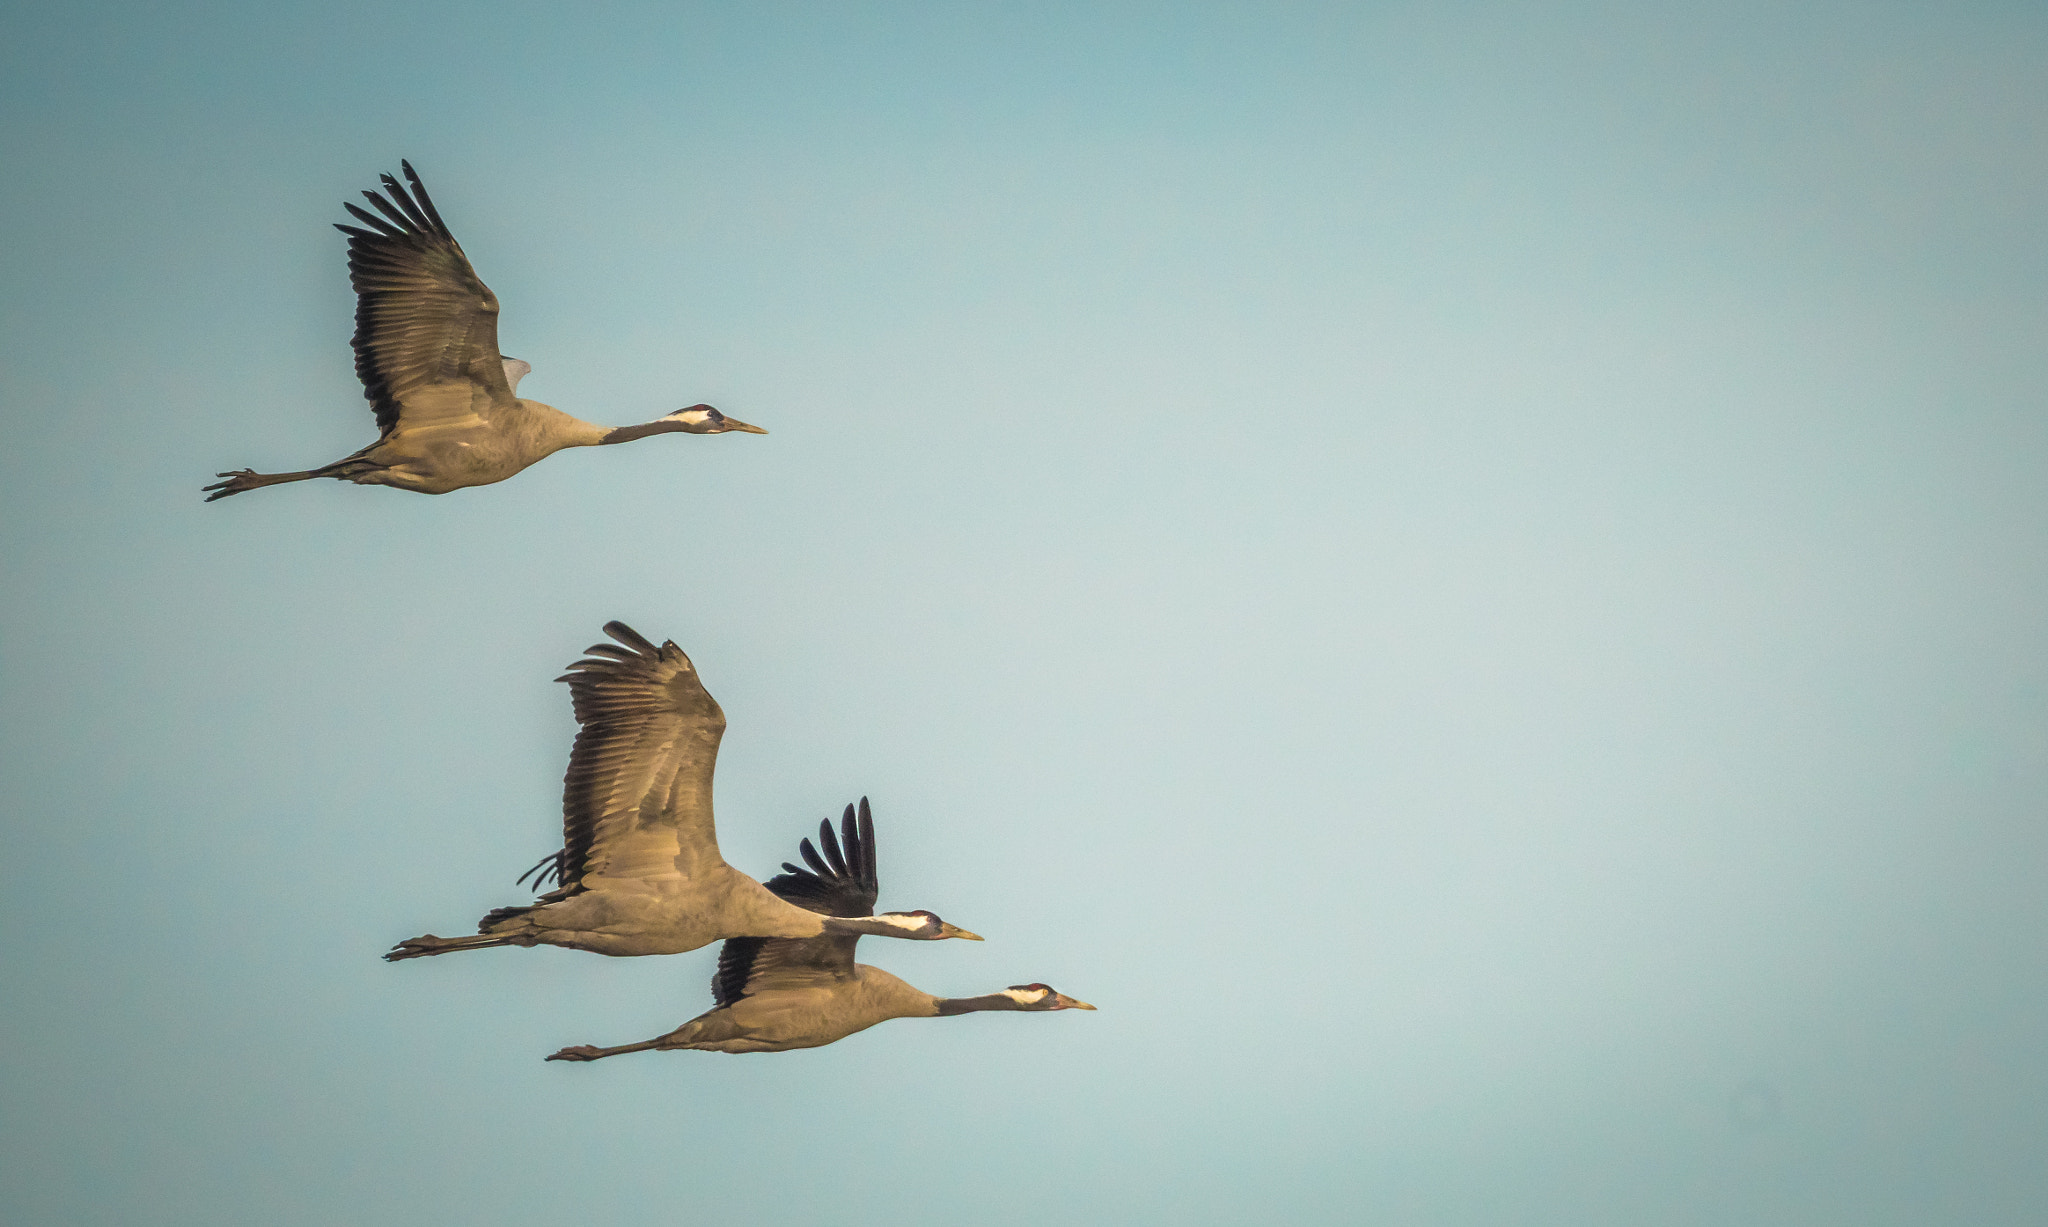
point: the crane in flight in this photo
(639, 871)
(426, 342)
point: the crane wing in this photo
(841, 882)
(636, 803)
(426, 337)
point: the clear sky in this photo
(1473, 575)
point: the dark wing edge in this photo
(842, 881)
(422, 313)
(735, 964)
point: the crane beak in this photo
(733, 423)
(946, 930)
(1063, 1002)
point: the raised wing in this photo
(636, 802)
(426, 326)
(838, 883)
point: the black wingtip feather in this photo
(867, 844)
(404, 201)
(390, 210)
(811, 858)
(841, 879)
(630, 637)
(371, 219)
(833, 855)
(735, 964)
(426, 201)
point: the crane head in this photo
(1043, 997)
(704, 420)
(925, 926)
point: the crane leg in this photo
(426, 944)
(248, 479)
(349, 468)
(590, 1052)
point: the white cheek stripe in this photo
(904, 922)
(1025, 996)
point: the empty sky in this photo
(1473, 575)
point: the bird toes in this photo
(237, 481)
(579, 1052)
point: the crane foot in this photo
(237, 481)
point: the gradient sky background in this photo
(1475, 576)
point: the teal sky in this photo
(1475, 576)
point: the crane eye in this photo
(715, 416)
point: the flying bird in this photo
(775, 994)
(639, 871)
(426, 342)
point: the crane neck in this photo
(886, 925)
(659, 426)
(949, 1006)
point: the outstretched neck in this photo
(626, 434)
(886, 925)
(949, 1006)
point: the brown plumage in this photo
(639, 871)
(426, 342)
(776, 994)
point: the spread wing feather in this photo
(636, 802)
(841, 881)
(426, 336)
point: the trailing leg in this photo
(249, 479)
(426, 944)
(352, 468)
(590, 1052)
